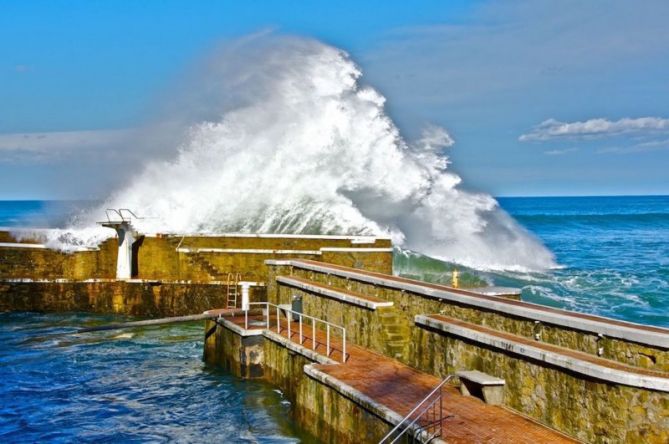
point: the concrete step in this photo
(393, 337)
(396, 329)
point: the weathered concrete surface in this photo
(384, 389)
(590, 410)
(156, 257)
(22, 263)
(579, 405)
(243, 356)
(409, 304)
(150, 299)
(317, 408)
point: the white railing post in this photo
(313, 334)
(327, 341)
(289, 314)
(246, 319)
(343, 359)
(300, 315)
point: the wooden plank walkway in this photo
(400, 387)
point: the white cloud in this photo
(47, 146)
(600, 127)
(653, 145)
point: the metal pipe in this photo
(149, 322)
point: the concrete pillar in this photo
(245, 294)
(127, 236)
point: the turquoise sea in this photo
(151, 385)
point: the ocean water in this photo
(147, 385)
(613, 253)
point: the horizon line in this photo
(508, 196)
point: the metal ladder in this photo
(233, 289)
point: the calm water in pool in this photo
(142, 385)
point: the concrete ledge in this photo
(277, 262)
(128, 281)
(353, 239)
(368, 403)
(505, 292)
(349, 298)
(642, 334)
(247, 251)
(378, 409)
(237, 329)
(21, 245)
(356, 250)
(297, 348)
(592, 370)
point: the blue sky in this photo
(541, 97)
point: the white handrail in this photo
(119, 212)
(300, 316)
(418, 406)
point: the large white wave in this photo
(290, 142)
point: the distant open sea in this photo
(614, 252)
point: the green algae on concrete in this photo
(409, 304)
(149, 299)
(317, 408)
(590, 410)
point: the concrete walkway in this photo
(399, 387)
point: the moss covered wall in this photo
(381, 330)
(130, 298)
(243, 356)
(590, 410)
(318, 408)
(409, 304)
(22, 263)
(158, 259)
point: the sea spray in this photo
(281, 136)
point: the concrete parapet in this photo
(625, 342)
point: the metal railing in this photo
(300, 328)
(424, 419)
(119, 212)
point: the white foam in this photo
(300, 146)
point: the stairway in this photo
(395, 331)
(231, 279)
(197, 260)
